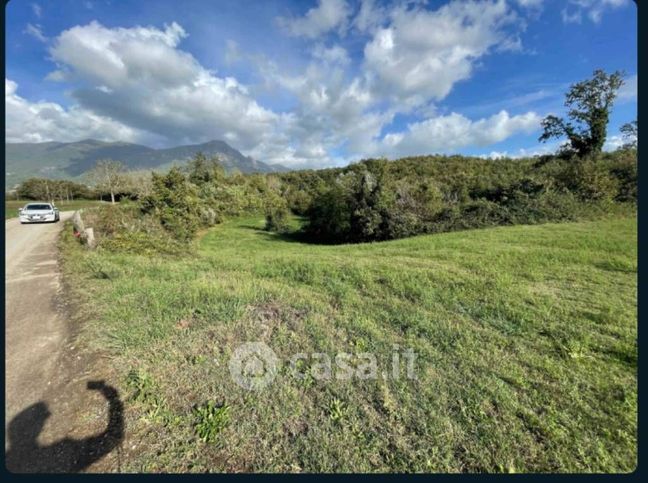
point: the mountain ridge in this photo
(70, 160)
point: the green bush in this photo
(277, 219)
(624, 170)
(174, 201)
(379, 200)
(124, 228)
(593, 180)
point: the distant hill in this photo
(71, 160)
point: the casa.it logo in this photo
(253, 365)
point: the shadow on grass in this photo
(297, 236)
(26, 455)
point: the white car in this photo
(38, 213)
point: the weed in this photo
(338, 410)
(210, 420)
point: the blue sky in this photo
(317, 83)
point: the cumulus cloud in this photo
(447, 133)
(331, 55)
(139, 77)
(138, 84)
(421, 54)
(328, 15)
(36, 122)
(593, 9)
(370, 16)
(331, 112)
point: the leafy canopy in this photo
(589, 103)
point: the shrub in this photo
(378, 200)
(593, 181)
(277, 219)
(624, 170)
(125, 228)
(276, 213)
(174, 201)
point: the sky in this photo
(312, 83)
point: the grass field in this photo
(525, 343)
(11, 206)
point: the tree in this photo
(203, 170)
(33, 189)
(630, 132)
(589, 103)
(138, 183)
(51, 189)
(108, 175)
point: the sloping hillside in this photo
(71, 160)
(524, 362)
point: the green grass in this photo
(11, 206)
(525, 339)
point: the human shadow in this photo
(26, 455)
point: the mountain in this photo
(71, 160)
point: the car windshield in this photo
(38, 207)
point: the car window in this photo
(38, 207)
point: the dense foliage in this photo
(380, 200)
(377, 199)
(170, 208)
(589, 103)
(44, 189)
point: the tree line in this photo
(376, 199)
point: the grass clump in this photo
(210, 420)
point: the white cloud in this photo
(628, 91)
(370, 16)
(331, 55)
(139, 77)
(538, 150)
(613, 142)
(421, 54)
(529, 3)
(447, 133)
(593, 9)
(137, 84)
(332, 111)
(36, 32)
(328, 15)
(42, 121)
(38, 11)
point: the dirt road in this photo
(34, 329)
(49, 395)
